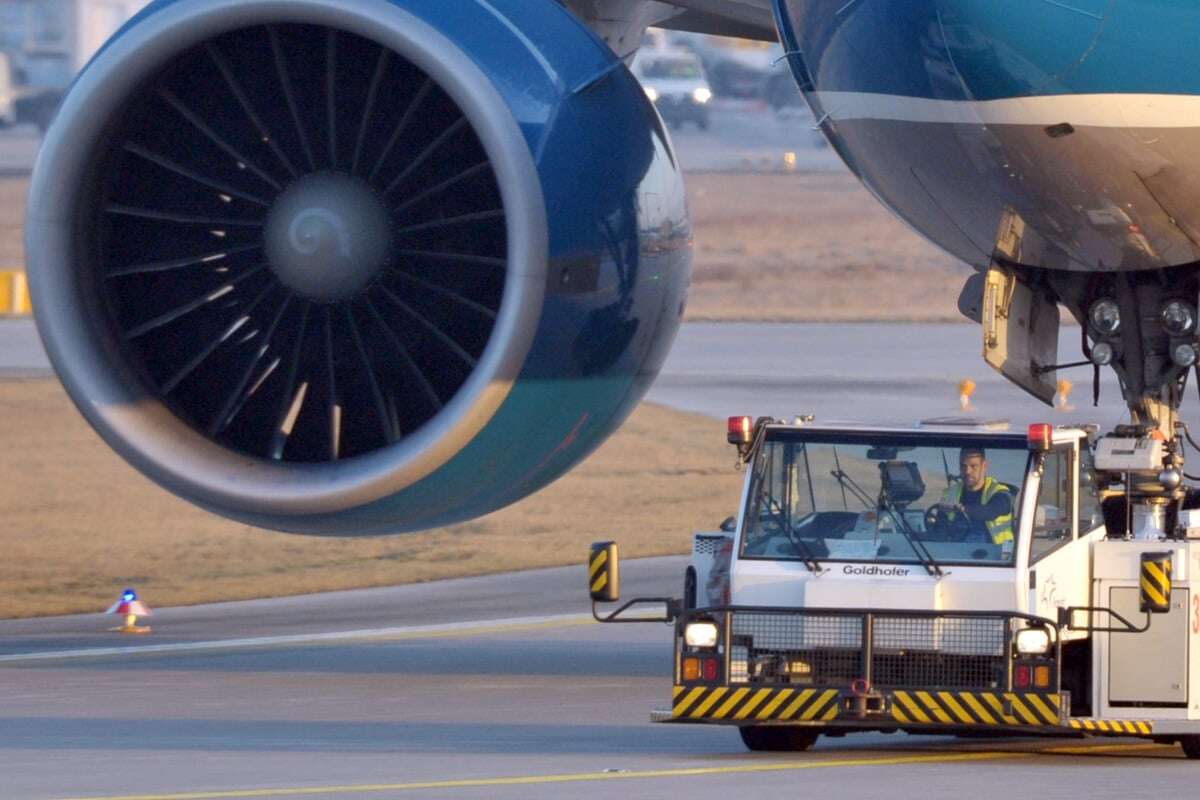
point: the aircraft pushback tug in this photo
(852, 592)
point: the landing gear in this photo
(1143, 326)
(776, 738)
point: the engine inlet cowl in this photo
(296, 242)
(291, 257)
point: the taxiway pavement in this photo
(360, 703)
(502, 686)
(867, 372)
(877, 372)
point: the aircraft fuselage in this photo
(1074, 123)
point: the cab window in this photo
(1090, 514)
(1053, 524)
(889, 498)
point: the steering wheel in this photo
(947, 522)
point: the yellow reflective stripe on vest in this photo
(999, 529)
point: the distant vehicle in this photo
(734, 78)
(47, 43)
(733, 71)
(780, 91)
(8, 104)
(675, 82)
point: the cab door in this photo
(1066, 519)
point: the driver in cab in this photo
(986, 502)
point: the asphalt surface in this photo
(485, 687)
(477, 600)
(883, 372)
(876, 372)
(502, 686)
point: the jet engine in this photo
(356, 267)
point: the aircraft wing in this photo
(743, 19)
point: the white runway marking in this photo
(467, 628)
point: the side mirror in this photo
(1155, 583)
(729, 525)
(604, 573)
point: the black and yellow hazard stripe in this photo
(603, 577)
(1114, 727)
(597, 578)
(738, 703)
(1156, 582)
(976, 708)
(908, 708)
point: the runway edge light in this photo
(130, 607)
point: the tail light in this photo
(1023, 677)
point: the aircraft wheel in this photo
(1191, 746)
(778, 738)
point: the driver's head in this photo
(973, 466)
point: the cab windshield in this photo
(884, 498)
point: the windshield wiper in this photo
(885, 504)
(846, 482)
(806, 553)
(922, 552)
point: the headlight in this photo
(1033, 641)
(701, 634)
(702, 95)
(652, 93)
(1178, 318)
(1106, 316)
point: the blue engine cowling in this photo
(356, 267)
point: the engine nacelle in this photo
(356, 267)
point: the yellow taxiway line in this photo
(580, 777)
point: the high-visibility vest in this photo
(999, 528)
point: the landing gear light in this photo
(1106, 317)
(1178, 318)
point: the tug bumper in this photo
(908, 710)
(914, 711)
